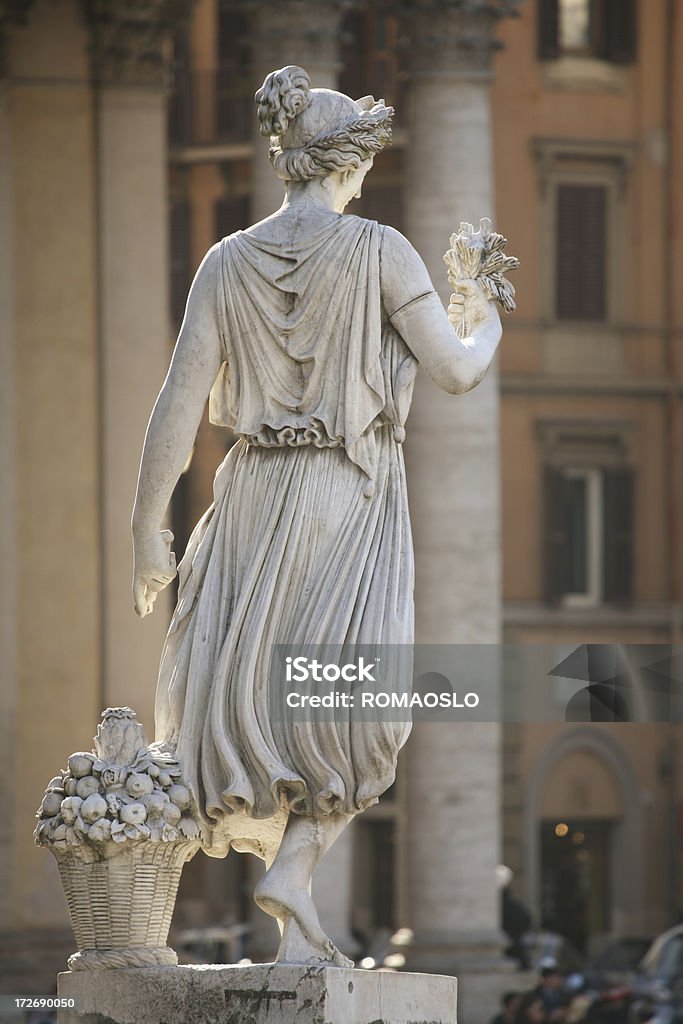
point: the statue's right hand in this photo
(154, 568)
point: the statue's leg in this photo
(284, 891)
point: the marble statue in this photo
(305, 333)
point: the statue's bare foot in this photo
(296, 949)
(277, 896)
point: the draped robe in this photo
(307, 540)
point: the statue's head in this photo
(318, 132)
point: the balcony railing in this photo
(210, 107)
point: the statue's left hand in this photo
(155, 568)
(469, 302)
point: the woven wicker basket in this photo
(121, 908)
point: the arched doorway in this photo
(583, 836)
(580, 814)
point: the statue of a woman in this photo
(305, 332)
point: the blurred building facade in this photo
(587, 150)
(583, 435)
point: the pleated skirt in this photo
(291, 552)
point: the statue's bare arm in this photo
(171, 433)
(416, 311)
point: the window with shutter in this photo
(619, 31)
(581, 252)
(618, 534)
(588, 511)
(548, 29)
(588, 535)
(603, 29)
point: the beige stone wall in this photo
(56, 427)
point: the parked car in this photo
(658, 984)
(604, 986)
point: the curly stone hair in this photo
(315, 132)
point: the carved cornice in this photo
(561, 154)
(130, 39)
(452, 36)
(301, 31)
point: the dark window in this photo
(215, 103)
(235, 112)
(370, 57)
(230, 214)
(605, 29)
(581, 252)
(180, 258)
(180, 100)
(588, 535)
(578, 524)
(382, 203)
(233, 36)
(374, 877)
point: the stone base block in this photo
(256, 994)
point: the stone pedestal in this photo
(258, 994)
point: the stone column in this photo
(303, 32)
(128, 45)
(453, 771)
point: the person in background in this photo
(516, 921)
(530, 1009)
(551, 992)
(509, 1005)
(515, 918)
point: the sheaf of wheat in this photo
(479, 255)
